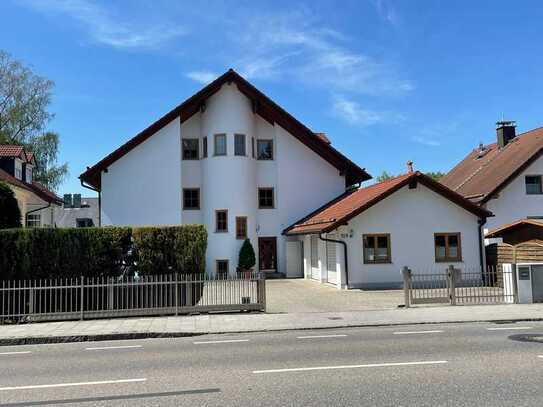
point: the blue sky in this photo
(386, 80)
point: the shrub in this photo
(91, 252)
(247, 259)
(10, 214)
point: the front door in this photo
(267, 254)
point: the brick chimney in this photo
(505, 132)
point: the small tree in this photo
(247, 259)
(10, 214)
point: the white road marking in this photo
(46, 386)
(509, 328)
(417, 332)
(224, 341)
(305, 369)
(114, 347)
(15, 353)
(321, 336)
(540, 356)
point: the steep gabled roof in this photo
(485, 172)
(262, 105)
(498, 232)
(35, 187)
(345, 207)
(10, 150)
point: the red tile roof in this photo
(35, 187)
(8, 150)
(483, 173)
(262, 105)
(499, 231)
(345, 207)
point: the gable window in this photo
(264, 149)
(84, 223)
(33, 220)
(253, 146)
(447, 247)
(18, 171)
(220, 144)
(222, 269)
(221, 220)
(239, 144)
(191, 198)
(265, 198)
(204, 146)
(28, 174)
(241, 227)
(190, 149)
(533, 185)
(376, 248)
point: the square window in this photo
(265, 198)
(191, 198)
(222, 269)
(447, 247)
(241, 227)
(221, 221)
(239, 144)
(220, 144)
(264, 149)
(190, 148)
(84, 223)
(33, 220)
(376, 248)
(204, 144)
(533, 185)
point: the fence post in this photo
(406, 273)
(82, 303)
(261, 282)
(176, 285)
(451, 277)
(110, 296)
(31, 304)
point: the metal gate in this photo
(537, 283)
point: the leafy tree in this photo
(247, 258)
(437, 175)
(10, 214)
(24, 99)
(383, 177)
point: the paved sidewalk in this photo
(74, 331)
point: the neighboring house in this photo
(504, 177)
(77, 212)
(231, 159)
(35, 201)
(410, 220)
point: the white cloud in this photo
(386, 11)
(106, 28)
(204, 77)
(351, 112)
(426, 141)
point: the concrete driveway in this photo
(300, 295)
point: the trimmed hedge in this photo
(90, 252)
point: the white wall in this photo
(513, 203)
(143, 187)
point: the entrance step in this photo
(275, 275)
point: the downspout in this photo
(325, 239)
(99, 201)
(481, 222)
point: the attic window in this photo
(533, 185)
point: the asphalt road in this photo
(423, 365)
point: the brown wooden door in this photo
(267, 253)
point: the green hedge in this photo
(89, 252)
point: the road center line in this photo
(305, 369)
(321, 336)
(510, 328)
(224, 341)
(15, 353)
(114, 347)
(416, 332)
(46, 386)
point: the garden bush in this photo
(10, 214)
(91, 252)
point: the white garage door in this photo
(331, 260)
(315, 257)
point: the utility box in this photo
(530, 283)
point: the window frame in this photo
(197, 143)
(190, 208)
(388, 260)
(204, 147)
(215, 138)
(31, 223)
(240, 236)
(260, 141)
(217, 262)
(253, 146)
(217, 230)
(88, 222)
(540, 184)
(244, 138)
(261, 189)
(447, 258)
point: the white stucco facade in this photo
(145, 186)
(411, 217)
(512, 203)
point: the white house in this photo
(231, 159)
(504, 177)
(364, 237)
